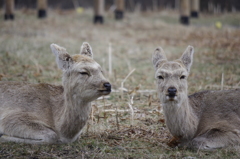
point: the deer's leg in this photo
(6, 138)
(26, 128)
(216, 138)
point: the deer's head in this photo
(81, 74)
(172, 76)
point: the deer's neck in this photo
(74, 115)
(181, 119)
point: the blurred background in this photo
(123, 35)
(186, 7)
(205, 5)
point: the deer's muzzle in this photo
(171, 93)
(106, 88)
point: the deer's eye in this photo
(84, 73)
(160, 77)
(182, 77)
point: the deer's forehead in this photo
(172, 68)
(81, 61)
(87, 65)
(81, 58)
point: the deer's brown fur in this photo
(45, 113)
(204, 120)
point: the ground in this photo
(128, 124)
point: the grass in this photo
(25, 55)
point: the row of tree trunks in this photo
(9, 9)
(99, 10)
(188, 8)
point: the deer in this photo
(205, 120)
(51, 114)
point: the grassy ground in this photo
(25, 55)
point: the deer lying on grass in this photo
(44, 113)
(204, 120)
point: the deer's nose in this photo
(172, 91)
(107, 86)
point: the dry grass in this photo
(131, 126)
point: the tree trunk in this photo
(194, 8)
(184, 11)
(42, 8)
(98, 11)
(9, 9)
(120, 6)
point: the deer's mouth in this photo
(105, 91)
(171, 97)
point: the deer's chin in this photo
(104, 92)
(171, 98)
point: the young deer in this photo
(45, 113)
(204, 120)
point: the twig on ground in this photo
(132, 112)
(122, 83)
(117, 117)
(110, 60)
(222, 81)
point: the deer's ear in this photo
(158, 57)
(86, 50)
(63, 59)
(187, 57)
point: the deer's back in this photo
(35, 100)
(217, 110)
